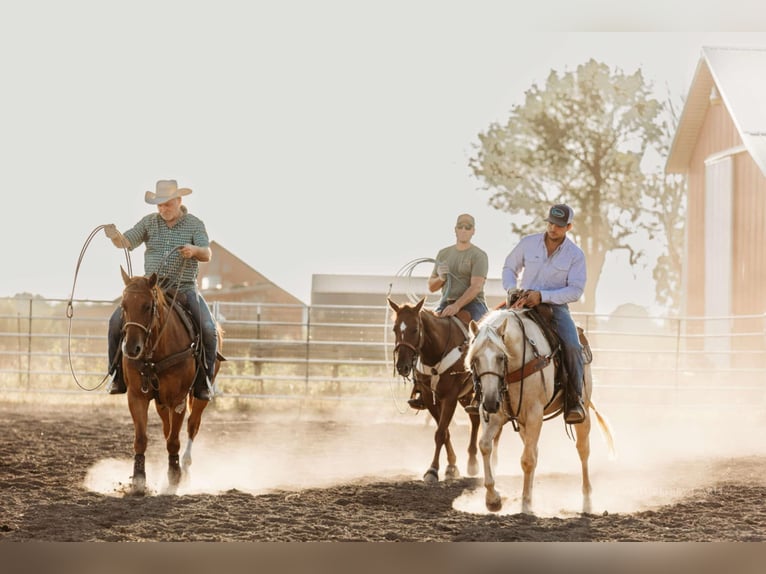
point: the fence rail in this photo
(339, 352)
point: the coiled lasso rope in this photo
(70, 305)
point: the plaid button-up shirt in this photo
(161, 255)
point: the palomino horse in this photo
(513, 362)
(159, 361)
(432, 349)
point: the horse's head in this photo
(139, 310)
(408, 335)
(487, 359)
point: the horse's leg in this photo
(473, 462)
(441, 437)
(171, 424)
(582, 441)
(488, 439)
(139, 411)
(432, 474)
(192, 427)
(495, 450)
(451, 472)
(530, 435)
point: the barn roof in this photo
(737, 75)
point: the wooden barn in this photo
(227, 278)
(232, 286)
(720, 146)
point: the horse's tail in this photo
(606, 431)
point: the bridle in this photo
(147, 329)
(519, 375)
(414, 348)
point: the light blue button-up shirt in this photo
(559, 278)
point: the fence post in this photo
(29, 346)
(676, 378)
(307, 314)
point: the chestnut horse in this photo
(159, 361)
(432, 349)
(515, 367)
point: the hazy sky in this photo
(304, 128)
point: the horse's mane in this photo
(487, 326)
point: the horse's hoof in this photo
(138, 486)
(174, 477)
(431, 476)
(494, 505)
(452, 472)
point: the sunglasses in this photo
(468, 226)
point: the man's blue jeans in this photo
(567, 331)
(477, 309)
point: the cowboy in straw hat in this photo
(167, 189)
(176, 241)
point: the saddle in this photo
(185, 314)
(542, 315)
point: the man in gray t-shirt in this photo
(460, 271)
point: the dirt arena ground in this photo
(680, 475)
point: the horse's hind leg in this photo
(192, 428)
(451, 472)
(582, 436)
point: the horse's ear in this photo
(393, 305)
(152, 280)
(125, 276)
(419, 306)
(473, 326)
(501, 328)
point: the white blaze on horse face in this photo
(402, 328)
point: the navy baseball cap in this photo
(561, 215)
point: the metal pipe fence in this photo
(333, 352)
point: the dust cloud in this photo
(664, 454)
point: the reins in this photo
(70, 307)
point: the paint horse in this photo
(432, 349)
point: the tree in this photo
(579, 140)
(665, 199)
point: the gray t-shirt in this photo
(473, 262)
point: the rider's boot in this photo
(575, 411)
(203, 384)
(416, 400)
(117, 385)
(473, 407)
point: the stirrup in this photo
(575, 414)
(416, 403)
(473, 408)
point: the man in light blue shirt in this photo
(549, 268)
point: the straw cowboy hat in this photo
(167, 189)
